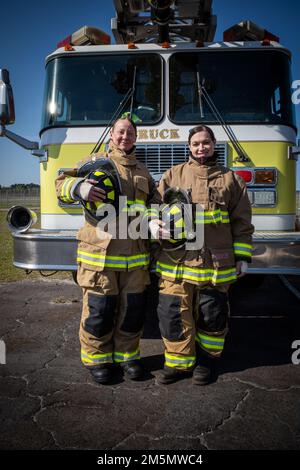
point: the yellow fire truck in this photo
(179, 77)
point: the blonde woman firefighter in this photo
(112, 272)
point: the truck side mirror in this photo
(7, 107)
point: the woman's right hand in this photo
(157, 230)
(89, 192)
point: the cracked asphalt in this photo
(49, 401)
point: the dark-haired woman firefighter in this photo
(193, 307)
(112, 272)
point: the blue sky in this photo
(30, 31)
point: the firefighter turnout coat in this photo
(223, 211)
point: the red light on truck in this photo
(246, 175)
(270, 36)
(65, 42)
(266, 42)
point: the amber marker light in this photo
(265, 177)
(68, 47)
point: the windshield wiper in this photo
(133, 92)
(118, 112)
(242, 155)
(200, 95)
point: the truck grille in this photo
(159, 158)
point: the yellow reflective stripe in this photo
(208, 213)
(123, 357)
(211, 340)
(224, 275)
(185, 268)
(122, 262)
(97, 355)
(179, 277)
(225, 217)
(209, 346)
(185, 362)
(96, 358)
(210, 217)
(136, 201)
(243, 245)
(243, 249)
(125, 258)
(150, 212)
(65, 190)
(112, 265)
(174, 356)
(98, 263)
(134, 205)
(196, 274)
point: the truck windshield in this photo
(246, 87)
(87, 90)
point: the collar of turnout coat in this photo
(126, 159)
(209, 171)
(209, 161)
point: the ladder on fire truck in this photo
(158, 21)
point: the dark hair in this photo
(201, 128)
(125, 118)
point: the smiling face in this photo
(201, 145)
(123, 135)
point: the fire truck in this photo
(168, 72)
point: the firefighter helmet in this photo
(178, 218)
(104, 171)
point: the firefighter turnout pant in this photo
(113, 313)
(191, 315)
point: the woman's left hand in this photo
(241, 268)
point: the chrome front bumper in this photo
(274, 252)
(45, 250)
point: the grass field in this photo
(8, 273)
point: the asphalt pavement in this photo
(49, 401)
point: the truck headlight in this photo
(263, 198)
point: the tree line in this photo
(21, 186)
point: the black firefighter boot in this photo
(169, 375)
(202, 373)
(133, 370)
(101, 374)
